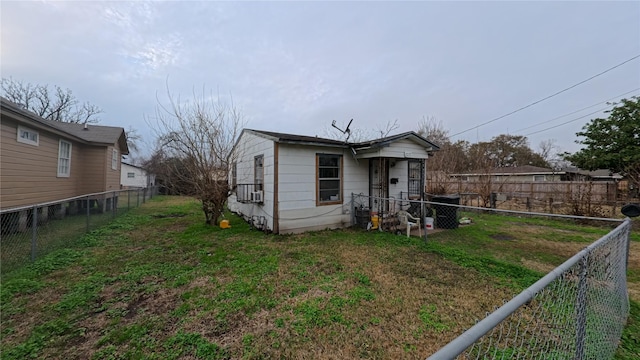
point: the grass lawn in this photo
(157, 283)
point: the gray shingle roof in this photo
(93, 134)
(291, 138)
(303, 139)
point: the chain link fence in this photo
(577, 311)
(31, 231)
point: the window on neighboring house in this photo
(464, 178)
(64, 159)
(258, 173)
(234, 176)
(114, 159)
(131, 175)
(28, 136)
(539, 178)
(415, 178)
(329, 179)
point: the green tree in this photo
(507, 151)
(612, 143)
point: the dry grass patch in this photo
(169, 287)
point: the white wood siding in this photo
(400, 171)
(138, 181)
(297, 189)
(249, 146)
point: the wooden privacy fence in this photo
(560, 190)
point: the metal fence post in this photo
(88, 206)
(144, 195)
(34, 232)
(137, 197)
(114, 198)
(128, 199)
(581, 309)
(424, 219)
(353, 210)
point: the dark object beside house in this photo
(363, 217)
(631, 210)
(446, 216)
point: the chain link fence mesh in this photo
(32, 231)
(577, 311)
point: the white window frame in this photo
(28, 140)
(544, 178)
(62, 170)
(114, 159)
(131, 175)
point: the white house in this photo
(291, 183)
(132, 176)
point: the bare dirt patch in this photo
(163, 216)
(503, 237)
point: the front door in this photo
(379, 184)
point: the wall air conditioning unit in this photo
(257, 196)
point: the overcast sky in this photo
(296, 66)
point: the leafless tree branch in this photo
(195, 139)
(59, 105)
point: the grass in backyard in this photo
(158, 283)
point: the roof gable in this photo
(386, 141)
(365, 146)
(315, 140)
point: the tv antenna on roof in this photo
(345, 131)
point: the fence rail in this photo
(577, 311)
(28, 232)
(599, 198)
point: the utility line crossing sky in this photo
(296, 66)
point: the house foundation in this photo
(43, 214)
(23, 220)
(59, 211)
(73, 207)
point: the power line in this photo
(577, 111)
(570, 121)
(547, 97)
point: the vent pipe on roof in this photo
(85, 126)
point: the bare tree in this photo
(195, 138)
(552, 154)
(451, 159)
(57, 104)
(134, 140)
(433, 130)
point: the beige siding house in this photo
(43, 161)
